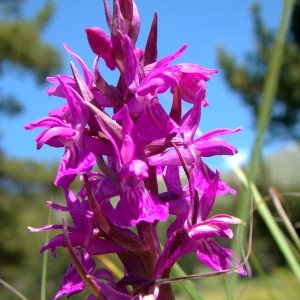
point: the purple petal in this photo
(75, 161)
(172, 252)
(101, 99)
(204, 176)
(166, 60)
(61, 112)
(172, 179)
(139, 206)
(47, 122)
(130, 64)
(110, 293)
(208, 197)
(132, 19)
(72, 282)
(86, 72)
(153, 122)
(55, 136)
(45, 228)
(218, 258)
(79, 110)
(97, 246)
(96, 145)
(171, 158)
(217, 132)
(128, 149)
(56, 90)
(101, 45)
(157, 81)
(191, 121)
(212, 147)
(191, 77)
(216, 226)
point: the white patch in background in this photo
(239, 159)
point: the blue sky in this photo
(202, 24)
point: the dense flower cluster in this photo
(120, 141)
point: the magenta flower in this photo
(206, 229)
(83, 237)
(136, 199)
(197, 233)
(193, 150)
(129, 155)
(66, 127)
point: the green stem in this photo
(45, 263)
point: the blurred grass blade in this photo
(270, 88)
(263, 276)
(286, 221)
(45, 263)
(268, 95)
(12, 289)
(274, 229)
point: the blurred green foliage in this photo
(22, 47)
(25, 186)
(248, 78)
